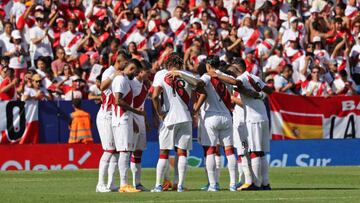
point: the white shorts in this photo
(217, 130)
(124, 137)
(178, 135)
(140, 137)
(258, 136)
(240, 138)
(103, 123)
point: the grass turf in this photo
(329, 184)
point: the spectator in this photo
(57, 66)
(342, 85)
(8, 85)
(80, 125)
(36, 91)
(5, 38)
(95, 92)
(316, 87)
(283, 82)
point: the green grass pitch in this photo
(329, 184)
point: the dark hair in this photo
(288, 66)
(135, 62)
(174, 60)
(99, 77)
(116, 41)
(292, 11)
(343, 73)
(240, 62)
(213, 61)
(341, 5)
(338, 20)
(74, 21)
(201, 70)
(76, 103)
(145, 65)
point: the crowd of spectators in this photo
(57, 49)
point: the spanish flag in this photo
(302, 126)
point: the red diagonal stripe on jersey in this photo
(139, 99)
(223, 92)
(253, 84)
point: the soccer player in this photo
(177, 128)
(122, 120)
(109, 159)
(139, 86)
(257, 126)
(217, 122)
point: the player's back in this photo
(218, 100)
(178, 92)
(255, 110)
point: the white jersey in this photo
(121, 84)
(179, 93)
(107, 98)
(140, 92)
(255, 110)
(158, 78)
(178, 26)
(238, 113)
(70, 41)
(219, 101)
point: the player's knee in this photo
(254, 155)
(181, 152)
(229, 151)
(239, 159)
(210, 150)
(164, 154)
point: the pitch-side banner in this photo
(19, 122)
(300, 117)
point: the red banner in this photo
(300, 117)
(19, 122)
(40, 157)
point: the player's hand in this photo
(173, 74)
(141, 112)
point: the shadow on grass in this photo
(315, 188)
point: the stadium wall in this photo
(302, 153)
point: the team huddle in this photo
(226, 101)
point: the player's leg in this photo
(266, 148)
(106, 156)
(218, 165)
(176, 171)
(124, 141)
(166, 143)
(113, 166)
(183, 142)
(140, 146)
(241, 176)
(255, 147)
(226, 139)
(211, 167)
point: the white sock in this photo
(218, 168)
(176, 169)
(124, 159)
(240, 171)
(113, 165)
(167, 171)
(136, 172)
(264, 171)
(245, 164)
(232, 168)
(256, 169)
(103, 167)
(160, 170)
(211, 169)
(182, 166)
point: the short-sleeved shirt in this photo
(8, 95)
(255, 110)
(121, 84)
